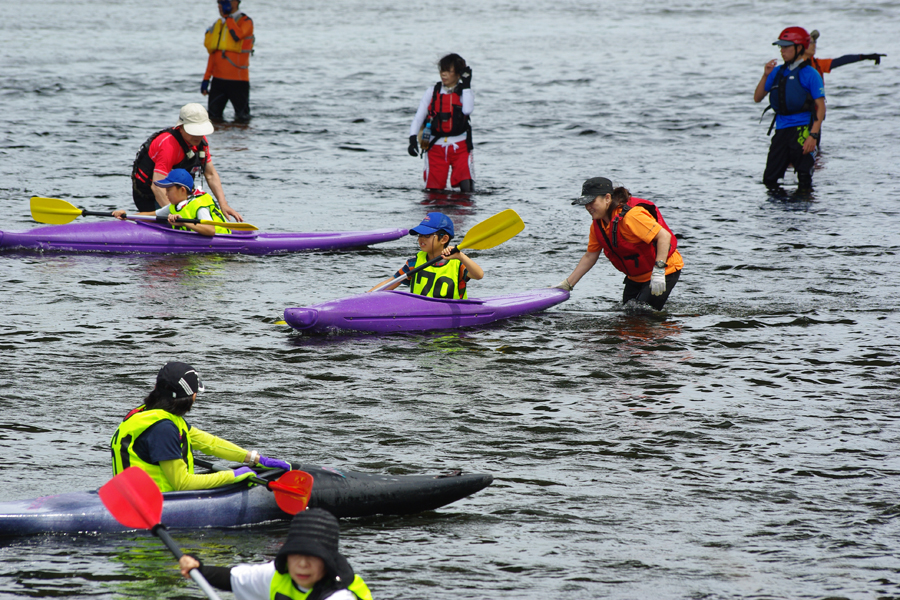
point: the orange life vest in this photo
(633, 259)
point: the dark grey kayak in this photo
(343, 493)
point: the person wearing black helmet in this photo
(307, 567)
(156, 438)
(797, 95)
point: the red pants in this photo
(441, 159)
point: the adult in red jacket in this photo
(181, 147)
(443, 120)
(634, 237)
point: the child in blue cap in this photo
(445, 279)
(179, 186)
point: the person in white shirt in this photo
(307, 567)
(443, 119)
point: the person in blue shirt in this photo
(797, 95)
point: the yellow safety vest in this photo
(283, 588)
(435, 281)
(122, 444)
(219, 38)
(193, 205)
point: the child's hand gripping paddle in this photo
(292, 490)
(54, 211)
(135, 501)
(491, 232)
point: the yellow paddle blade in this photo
(53, 211)
(493, 231)
(232, 226)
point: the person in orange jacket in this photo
(825, 65)
(230, 43)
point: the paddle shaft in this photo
(212, 467)
(161, 532)
(56, 211)
(93, 213)
(416, 270)
(179, 220)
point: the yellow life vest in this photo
(138, 421)
(283, 588)
(218, 37)
(437, 281)
(189, 208)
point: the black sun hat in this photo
(314, 532)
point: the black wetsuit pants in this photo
(223, 90)
(144, 199)
(639, 291)
(787, 148)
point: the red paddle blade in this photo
(292, 491)
(133, 499)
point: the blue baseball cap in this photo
(177, 177)
(432, 223)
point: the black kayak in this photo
(343, 493)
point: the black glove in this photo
(465, 80)
(413, 146)
(875, 57)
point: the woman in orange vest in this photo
(230, 43)
(634, 237)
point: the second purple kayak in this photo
(130, 236)
(388, 312)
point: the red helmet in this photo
(793, 35)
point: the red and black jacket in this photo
(633, 259)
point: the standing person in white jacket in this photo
(443, 120)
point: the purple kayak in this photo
(131, 236)
(388, 312)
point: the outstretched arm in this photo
(584, 265)
(852, 58)
(215, 185)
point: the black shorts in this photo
(639, 291)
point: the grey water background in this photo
(741, 445)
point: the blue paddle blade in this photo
(133, 498)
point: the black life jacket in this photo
(142, 170)
(787, 95)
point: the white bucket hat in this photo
(195, 120)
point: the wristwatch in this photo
(660, 264)
(814, 136)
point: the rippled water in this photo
(743, 444)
